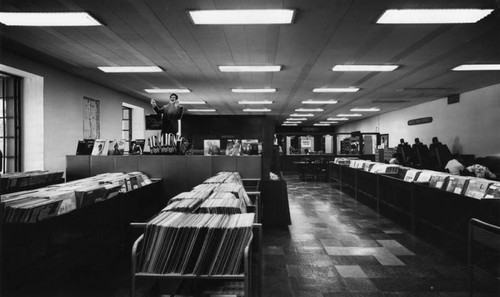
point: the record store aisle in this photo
(338, 247)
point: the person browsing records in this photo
(170, 113)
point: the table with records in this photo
(429, 203)
(70, 224)
(207, 233)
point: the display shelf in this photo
(252, 187)
(64, 242)
(252, 256)
(245, 276)
(427, 211)
(22, 181)
(180, 173)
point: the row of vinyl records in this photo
(202, 232)
(36, 205)
(478, 188)
(9, 182)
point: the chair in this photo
(486, 235)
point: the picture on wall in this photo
(211, 147)
(233, 147)
(250, 147)
(384, 140)
(91, 118)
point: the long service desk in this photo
(428, 212)
(179, 173)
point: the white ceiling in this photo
(324, 33)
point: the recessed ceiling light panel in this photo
(48, 19)
(337, 119)
(129, 69)
(296, 119)
(311, 101)
(273, 68)
(321, 124)
(242, 16)
(302, 115)
(309, 109)
(432, 16)
(335, 90)
(256, 110)
(256, 102)
(253, 90)
(365, 67)
(160, 91)
(477, 67)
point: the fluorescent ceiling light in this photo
(242, 16)
(253, 90)
(131, 69)
(366, 109)
(321, 124)
(288, 124)
(274, 68)
(364, 67)
(477, 67)
(302, 115)
(349, 115)
(320, 101)
(328, 122)
(292, 122)
(337, 119)
(48, 19)
(309, 109)
(256, 110)
(159, 91)
(432, 16)
(335, 90)
(255, 102)
(296, 119)
(201, 110)
(192, 102)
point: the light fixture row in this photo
(252, 17)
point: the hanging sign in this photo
(420, 121)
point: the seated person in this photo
(481, 171)
(454, 167)
(394, 159)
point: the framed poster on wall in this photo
(306, 143)
(384, 140)
(91, 118)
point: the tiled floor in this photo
(339, 247)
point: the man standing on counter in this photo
(170, 113)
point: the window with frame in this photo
(10, 123)
(127, 127)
